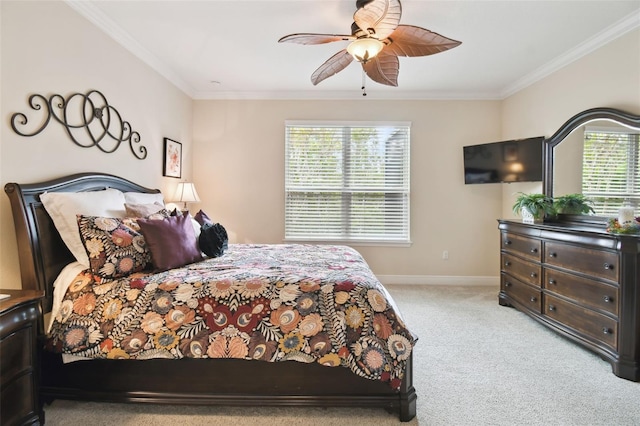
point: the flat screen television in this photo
(518, 160)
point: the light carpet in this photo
(476, 363)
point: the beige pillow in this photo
(142, 210)
(63, 208)
(143, 198)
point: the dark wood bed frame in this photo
(236, 382)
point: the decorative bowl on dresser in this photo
(19, 364)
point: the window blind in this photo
(610, 173)
(347, 182)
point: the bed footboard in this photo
(230, 382)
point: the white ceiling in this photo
(214, 49)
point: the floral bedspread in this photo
(308, 303)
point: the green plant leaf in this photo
(539, 205)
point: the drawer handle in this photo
(507, 263)
(608, 267)
(608, 299)
(553, 254)
(552, 307)
(552, 281)
(507, 284)
(534, 250)
(607, 330)
(507, 242)
(533, 298)
(533, 275)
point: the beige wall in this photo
(567, 174)
(239, 154)
(608, 77)
(239, 168)
(47, 48)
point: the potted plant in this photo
(573, 204)
(534, 207)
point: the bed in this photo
(294, 375)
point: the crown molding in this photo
(103, 22)
(345, 95)
(107, 25)
(606, 36)
(112, 29)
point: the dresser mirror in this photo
(595, 141)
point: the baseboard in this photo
(439, 280)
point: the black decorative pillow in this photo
(213, 239)
(116, 247)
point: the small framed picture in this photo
(510, 152)
(172, 159)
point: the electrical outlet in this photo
(445, 255)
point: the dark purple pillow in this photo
(171, 241)
(202, 218)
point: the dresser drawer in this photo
(592, 294)
(17, 403)
(523, 246)
(589, 323)
(16, 356)
(19, 366)
(599, 263)
(526, 271)
(528, 296)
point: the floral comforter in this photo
(308, 303)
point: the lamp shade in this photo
(186, 193)
(365, 48)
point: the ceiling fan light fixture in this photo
(377, 39)
(365, 48)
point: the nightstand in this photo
(20, 318)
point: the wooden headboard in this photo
(41, 251)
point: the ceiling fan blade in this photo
(384, 68)
(332, 66)
(409, 40)
(310, 38)
(381, 16)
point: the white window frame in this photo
(397, 210)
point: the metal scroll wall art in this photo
(88, 120)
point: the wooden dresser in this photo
(579, 281)
(19, 367)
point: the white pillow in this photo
(196, 227)
(143, 198)
(64, 206)
(60, 287)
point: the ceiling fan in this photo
(377, 39)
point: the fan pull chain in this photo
(364, 91)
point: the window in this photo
(610, 173)
(347, 182)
